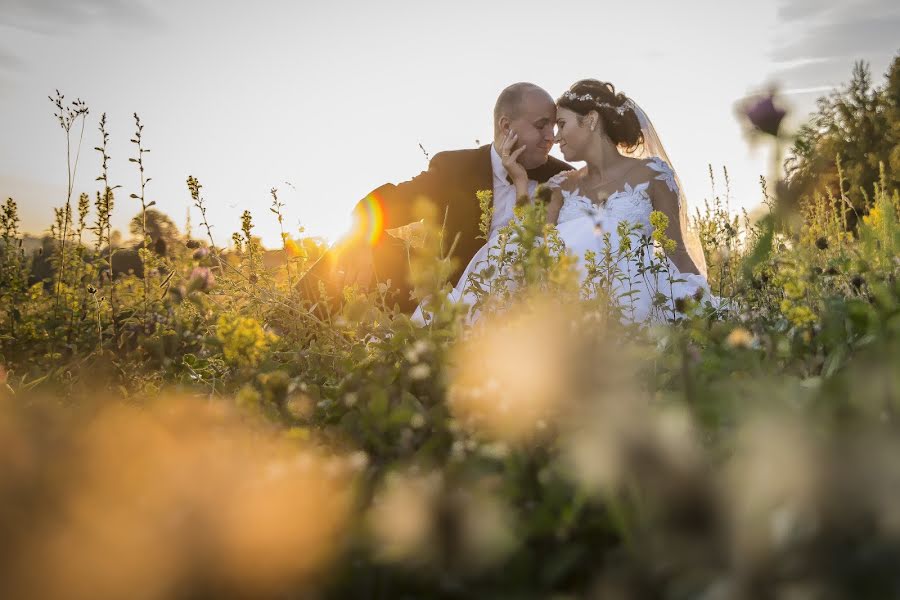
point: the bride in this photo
(626, 189)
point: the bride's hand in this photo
(510, 160)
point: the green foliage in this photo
(854, 133)
(553, 449)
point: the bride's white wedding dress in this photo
(645, 294)
(647, 282)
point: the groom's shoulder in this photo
(463, 158)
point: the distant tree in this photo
(891, 96)
(41, 268)
(161, 229)
(859, 126)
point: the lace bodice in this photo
(631, 204)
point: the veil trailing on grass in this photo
(652, 147)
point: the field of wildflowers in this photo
(177, 420)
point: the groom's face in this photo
(534, 125)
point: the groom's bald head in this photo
(513, 98)
(529, 111)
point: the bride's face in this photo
(572, 134)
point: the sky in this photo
(328, 100)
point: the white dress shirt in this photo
(504, 193)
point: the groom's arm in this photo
(392, 205)
(377, 255)
(367, 251)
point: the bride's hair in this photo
(620, 122)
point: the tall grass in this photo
(552, 450)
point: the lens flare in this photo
(373, 218)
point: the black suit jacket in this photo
(450, 183)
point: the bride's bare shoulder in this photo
(637, 166)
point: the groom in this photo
(450, 183)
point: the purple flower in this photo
(201, 253)
(764, 115)
(201, 279)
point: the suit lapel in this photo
(547, 170)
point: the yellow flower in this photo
(800, 316)
(244, 341)
(659, 220)
(874, 218)
(794, 289)
(486, 203)
(739, 338)
(291, 247)
(660, 223)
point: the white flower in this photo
(419, 372)
(422, 346)
(497, 450)
(458, 450)
(358, 460)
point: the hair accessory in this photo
(627, 105)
